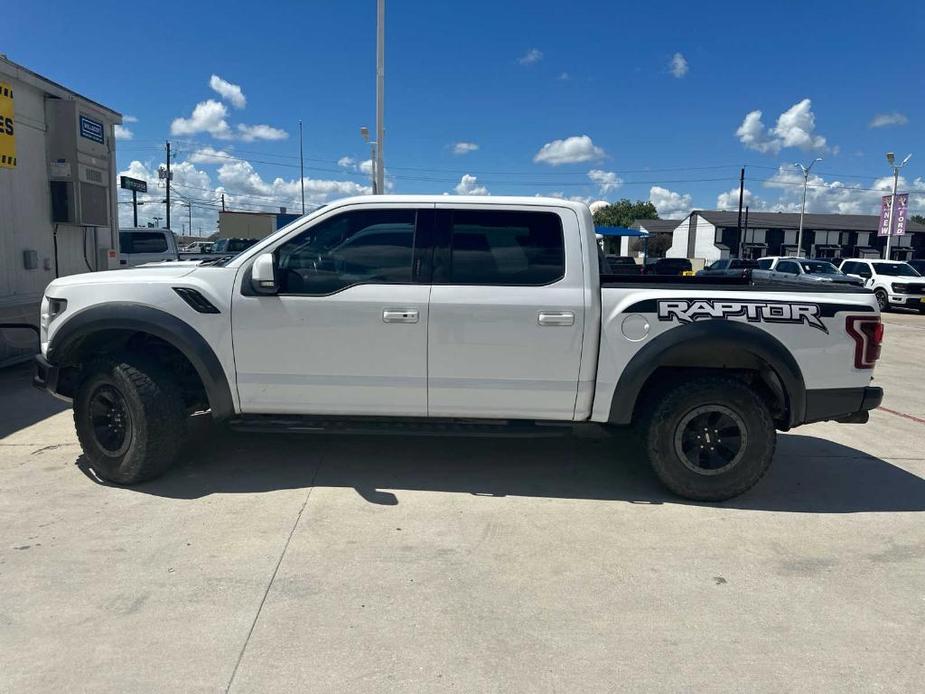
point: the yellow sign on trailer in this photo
(7, 133)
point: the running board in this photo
(399, 426)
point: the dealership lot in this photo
(395, 564)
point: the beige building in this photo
(57, 196)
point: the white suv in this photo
(894, 282)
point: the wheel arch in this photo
(717, 345)
(87, 328)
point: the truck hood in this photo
(154, 272)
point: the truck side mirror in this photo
(263, 274)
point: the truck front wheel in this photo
(129, 417)
(710, 438)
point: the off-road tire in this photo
(883, 300)
(152, 407)
(667, 423)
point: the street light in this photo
(891, 160)
(806, 170)
(364, 133)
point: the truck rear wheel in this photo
(129, 417)
(710, 438)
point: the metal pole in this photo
(372, 167)
(189, 207)
(301, 167)
(380, 94)
(134, 208)
(802, 211)
(741, 196)
(168, 184)
(746, 228)
(889, 234)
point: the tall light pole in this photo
(891, 160)
(364, 133)
(301, 167)
(806, 170)
(380, 94)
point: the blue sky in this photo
(594, 100)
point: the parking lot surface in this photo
(320, 563)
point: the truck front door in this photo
(506, 313)
(347, 332)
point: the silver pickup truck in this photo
(455, 314)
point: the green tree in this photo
(917, 218)
(622, 213)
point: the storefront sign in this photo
(91, 129)
(7, 130)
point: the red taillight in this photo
(867, 333)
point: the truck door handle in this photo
(400, 315)
(556, 318)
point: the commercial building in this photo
(57, 194)
(251, 225)
(712, 235)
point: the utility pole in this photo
(805, 170)
(741, 198)
(301, 167)
(135, 208)
(223, 202)
(380, 94)
(891, 159)
(742, 255)
(168, 184)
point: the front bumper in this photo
(46, 376)
(847, 405)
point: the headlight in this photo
(51, 309)
(899, 288)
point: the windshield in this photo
(819, 267)
(895, 270)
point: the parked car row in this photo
(627, 265)
(140, 245)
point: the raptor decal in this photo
(690, 310)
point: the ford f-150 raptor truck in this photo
(453, 312)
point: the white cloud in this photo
(249, 133)
(208, 117)
(534, 55)
(597, 205)
(882, 120)
(122, 133)
(129, 119)
(571, 150)
(795, 128)
(670, 205)
(464, 147)
(241, 179)
(564, 76)
(730, 200)
(209, 155)
(347, 163)
(678, 65)
(229, 92)
(607, 180)
(469, 185)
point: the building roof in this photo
(656, 226)
(24, 74)
(791, 220)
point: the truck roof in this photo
(468, 199)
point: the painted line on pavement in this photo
(903, 414)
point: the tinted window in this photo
(765, 263)
(895, 269)
(719, 265)
(142, 242)
(374, 246)
(789, 267)
(819, 267)
(504, 248)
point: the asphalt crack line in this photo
(266, 592)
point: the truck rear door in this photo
(506, 312)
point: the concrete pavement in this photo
(269, 563)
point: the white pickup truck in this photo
(457, 314)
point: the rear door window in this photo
(789, 267)
(143, 242)
(500, 248)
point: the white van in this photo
(140, 245)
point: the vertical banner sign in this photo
(901, 214)
(7, 133)
(884, 228)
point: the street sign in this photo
(7, 136)
(135, 184)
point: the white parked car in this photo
(802, 270)
(468, 314)
(140, 245)
(894, 282)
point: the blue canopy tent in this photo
(626, 231)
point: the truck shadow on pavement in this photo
(808, 475)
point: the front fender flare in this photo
(140, 318)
